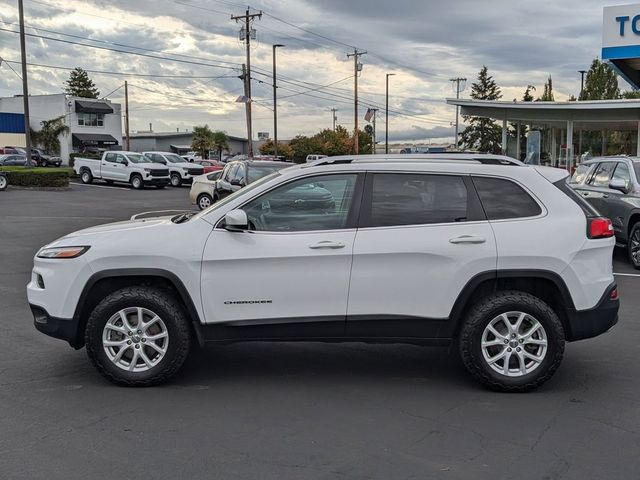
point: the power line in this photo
(310, 32)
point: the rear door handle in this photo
(327, 244)
(585, 194)
(467, 239)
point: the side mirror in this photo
(236, 181)
(236, 221)
(618, 184)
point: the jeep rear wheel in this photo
(85, 176)
(3, 182)
(176, 180)
(512, 341)
(136, 182)
(138, 337)
(633, 246)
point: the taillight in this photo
(614, 295)
(599, 227)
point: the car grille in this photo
(160, 173)
(195, 171)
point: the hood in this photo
(152, 165)
(116, 228)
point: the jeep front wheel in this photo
(512, 341)
(138, 336)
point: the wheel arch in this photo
(631, 221)
(544, 284)
(103, 283)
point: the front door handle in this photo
(467, 239)
(585, 194)
(327, 244)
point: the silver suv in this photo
(610, 184)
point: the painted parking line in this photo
(110, 187)
(627, 274)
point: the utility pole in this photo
(245, 34)
(126, 115)
(357, 67)
(335, 118)
(275, 104)
(458, 81)
(375, 114)
(386, 116)
(25, 86)
(581, 72)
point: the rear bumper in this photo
(595, 321)
(61, 328)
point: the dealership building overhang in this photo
(565, 118)
(621, 41)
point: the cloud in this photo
(416, 134)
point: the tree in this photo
(302, 146)
(203, 140)
(221, 142)
(80, 85)
(528, 97)
(631, 94)
(547, 95)
(601, 83)
(284, 150)
(482, 134)
(48, 137)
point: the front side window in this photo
(503, 198)
(622, 173)
(137, 158)
(602, 175)
(580, 175)
(110, 157)
(308, 204)
(230, 174)
(416, 199)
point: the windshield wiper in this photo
(183, 217)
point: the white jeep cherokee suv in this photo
(502, 261)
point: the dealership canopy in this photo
(621, 41)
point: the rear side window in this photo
(416, 199)
(586, 207)
(602, 175)
(580, 175)
(503, 199)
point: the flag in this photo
(243, 99)
(369, 115)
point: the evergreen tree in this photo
(547, 95)
(80, 85)
(482, 134)
(601, 83)
(527, 97)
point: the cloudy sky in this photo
(423, 42)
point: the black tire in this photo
(161, 303)
(45, 163)
(633, 246)
(85, 176)
(176, 180)
(137, 182)
(490, 307)
(4, 183)
(202, 200)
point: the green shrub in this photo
(37, 177)
(72, 157)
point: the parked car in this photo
(240, 173)
(13, 151)
(201, 192)
(45, 160)
(126, 167)
(93, 150)
(4, 183)
(504, 263)
(612, 186)
(180, 171)
(313, 158)
(15, 161)
(210, 165)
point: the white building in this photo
(92, 122)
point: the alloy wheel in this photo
(514, 344)
(3, 182)
(135, 339)
(634, 246)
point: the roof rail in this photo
(485, 159)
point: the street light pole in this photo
(581, 72)
(275, 104)
(25, 86)
(386, 116)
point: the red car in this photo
(210, 165)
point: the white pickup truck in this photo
(126, 167)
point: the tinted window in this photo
(580, 175)
(505, 199)
(317, 203)
(214, 175)
(415, 199)
(622, 173)
(602, 175)
(256, 172)
(110, 157)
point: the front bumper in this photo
(595, 321)
(156, 181)
(61, 328)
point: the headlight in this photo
(148, 170)
(62, 252)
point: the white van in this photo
(311, 158)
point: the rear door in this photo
(615, 203)
(596, 190)
(421, 238)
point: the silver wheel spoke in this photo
(116, 328)
(140, 319)
(125, 321)
(535, 341)
(532, 357)
(506, 321)
(523, 364)
(114, 343)
(134, 360)
(516, 327)
(531, 331)
(497, 357)
(492, 343)
(505, 365)
(149, 323)
(120, 353)
(155, 347)
(146, 359)
(158, 336)
(496, 333)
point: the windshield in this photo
(238, 193)
(173, 158)
(256, 172)
(137, 158)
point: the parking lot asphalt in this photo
(294, 411)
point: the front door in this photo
(421, 238)
(288, 276)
